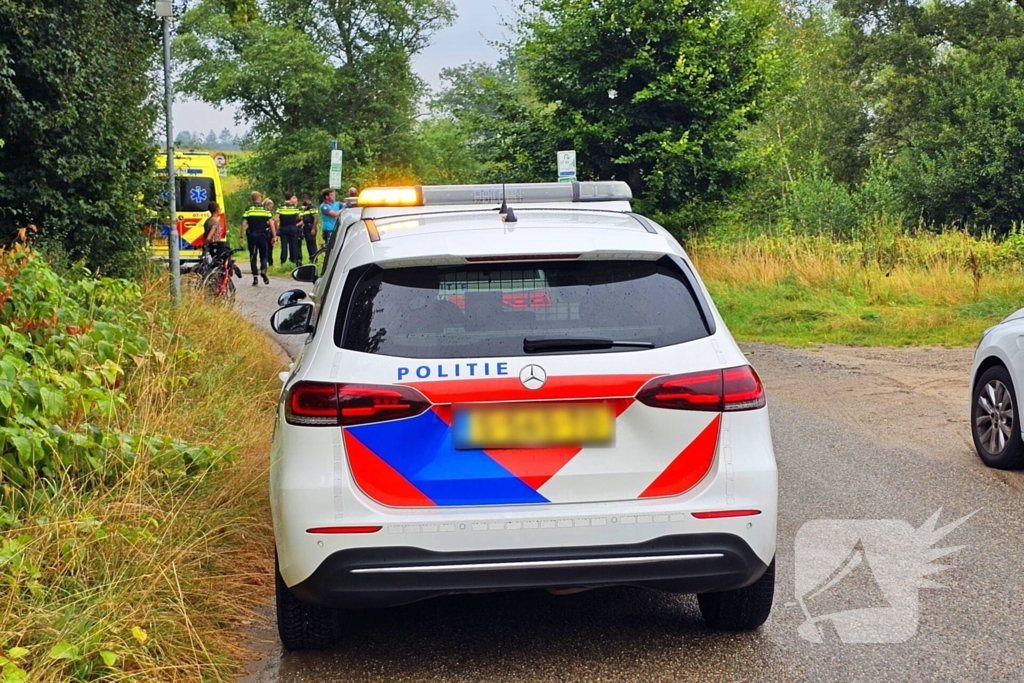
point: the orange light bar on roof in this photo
(391, 196)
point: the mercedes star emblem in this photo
(533, 377)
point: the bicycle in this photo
(217, 270)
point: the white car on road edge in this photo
(997, 372)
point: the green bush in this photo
(817, 205)
(68, 343)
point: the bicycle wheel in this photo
(218, 284)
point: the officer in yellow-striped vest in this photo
(309, 213)
(289, 228)
(258, 231)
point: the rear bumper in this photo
(389, 576)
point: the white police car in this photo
(491, 399)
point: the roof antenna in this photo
(504, 205)
(506, 212)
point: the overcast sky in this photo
(467, 41)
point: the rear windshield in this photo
(488, 311)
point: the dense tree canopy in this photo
(912, 110)
(812, 116)
(944, 83)
(654, 92)
(507, 130)
(304, 72)
(75, 115)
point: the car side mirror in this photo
(290, 297)
(294, 319)
(307, 273)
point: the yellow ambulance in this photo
(198, 184)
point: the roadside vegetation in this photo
(134, 529)
(886, 287)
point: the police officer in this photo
(331, 209)
(258, 231)
(288, 217)
(309, 214)
(268, 204)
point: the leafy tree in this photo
(503, 125)
(654, 92)
(813, 133)
(944, 82)
(445, 155)
(309, 71)
(226, 138)
(75, 92)
(817, 113)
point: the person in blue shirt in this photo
(330, 209)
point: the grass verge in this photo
(904, 290)
(140, 580)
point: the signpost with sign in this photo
(337, 159)
(165, 11)
(567, 166)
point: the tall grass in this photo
(888, 286)
(140, 581)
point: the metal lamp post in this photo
(164, 11)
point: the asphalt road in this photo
(858, 436)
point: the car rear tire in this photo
(743, 609)
(302, 626)
(995, 420)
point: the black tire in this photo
(740, 610)
(998, 445)
(302, 626)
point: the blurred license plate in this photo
(533, 426)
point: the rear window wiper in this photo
(545, 344)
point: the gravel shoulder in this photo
(904, 395)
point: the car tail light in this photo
(522, 257)
(312, 404)
(742, 389)
(729, 390)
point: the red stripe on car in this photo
(581, 387)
